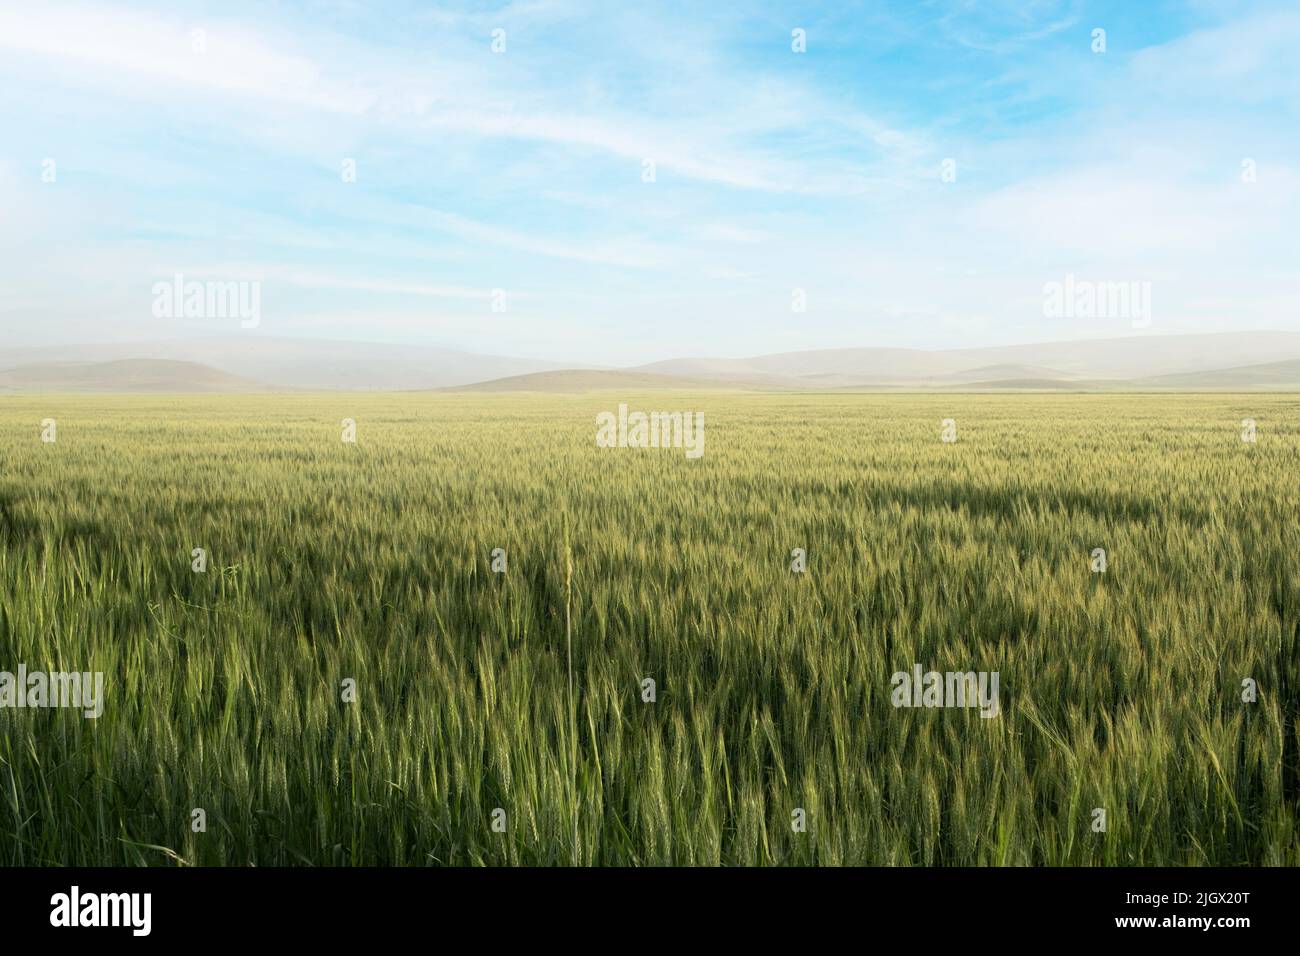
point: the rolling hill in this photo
(1284, 375)
(301, 363)
(124, 375)
(590, 380)
(1130, 357)
(1247, 360)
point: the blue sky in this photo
(523, 170)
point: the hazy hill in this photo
(1136, 356)
(986, 373)
(302, 363)
(1268, 375)
(589, 380)
(1036, 385)
(126, 375)
(1225, 360)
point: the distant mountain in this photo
(590, 380)
(302, 363)
(125, 375)
(716, 369)
(1036, 385)
(1137, 356)
(1224, 360)
(985, 373)
(1268, 375)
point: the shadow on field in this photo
(17, 528)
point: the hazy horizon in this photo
(124, 346)
(1250, 360)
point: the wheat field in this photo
(500, 719)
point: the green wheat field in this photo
(522, 691)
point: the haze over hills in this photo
(1269, 375)
(591, 380)
(1117, 358)
(301, 363)
(124, 375)
(251, 363)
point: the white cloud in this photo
(111, 43)
(154, 57)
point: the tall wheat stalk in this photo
(573, 712)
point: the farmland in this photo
(349, 680)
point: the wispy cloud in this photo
(651, 178)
